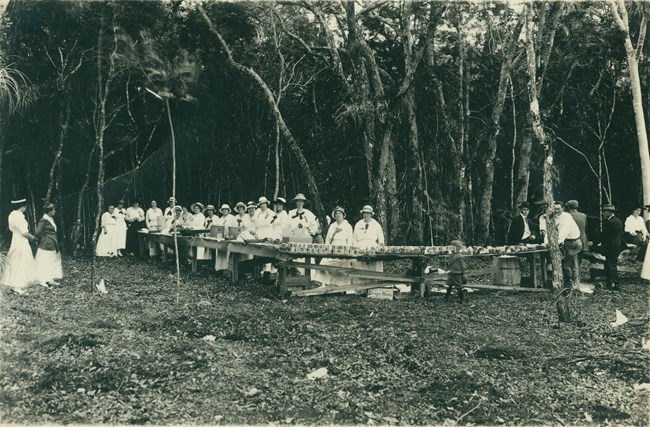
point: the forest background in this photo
(422, 109)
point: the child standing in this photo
(456, 269)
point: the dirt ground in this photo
(234, 353)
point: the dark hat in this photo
(609, 208)
(572, 204)
(48, 207)
(524, 205)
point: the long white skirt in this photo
(120, 234)
(20, 268)
(221, 260)
(48, 266)
(107, 243)
(331, 278)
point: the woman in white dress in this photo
(48, 255)
(226, 220)
(120, 227)
(249, 220)
(20, 268)
(263, 219)
(339, 234)
(197, 220)
(280, 221)
(107, 241)
(368, 234)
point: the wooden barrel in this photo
(234, 232)
(217, 231)
(506, 271)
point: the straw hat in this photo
(251, 205)
(199, 204)
(262, 200)
(367, 208)
(609, 208)
(240, 205)
(224, 207)
(18, 201)
(280, 200)
(210, 208)
(339, 209)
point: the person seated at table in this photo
(210, 217)
(368, 234)
(520, 230)
(107, 240)
(340, 233)
(153, 215)
(636, 232)
(169, 210)
(302, 222)
(249, 220)
(280, 221)
(456, 276)
(263, 218)
(186, 217)
(197, 220)
(173, 223)
(240, 213)
(227, 219)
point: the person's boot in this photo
(266, 278)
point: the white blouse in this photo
(340, 234)
(368, 234)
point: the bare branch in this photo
(370, 8)
(641, 39)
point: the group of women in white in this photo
(112, 236)
(20, 268)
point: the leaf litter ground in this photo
(235, 353)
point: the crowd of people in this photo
(571, 226)
(118, 235)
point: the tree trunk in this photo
(276, 190)
(64, 120)
(171, 130)
(460, 149)
(485, 204)
(270, 97)
(561, 294)
(523, 170)
(416, 180)
(633, 54)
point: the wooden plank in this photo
(282, 280)
(366, 274)
(292, 280)
(621, 268)
(338, 289)
(505, 288)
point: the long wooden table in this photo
(267, 252)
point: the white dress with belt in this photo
(20, 267)
(120, 228)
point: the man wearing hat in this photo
(611, 240)
(581, 220)
(169, 210)
(20, 269)
(280, 220)
(568, 237)
(520, 230)
(301, 220)
(636, 232)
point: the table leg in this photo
(532, 260)
(194, 251)
(164, 252)
(420, 270)
(142, 240)
(282, 280)
(542, 258)
(235, 266)
(307, 270)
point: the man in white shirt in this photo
(568, 237)
(636, 232)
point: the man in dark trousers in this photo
(581, 221)
(520, 230)
(612, 244)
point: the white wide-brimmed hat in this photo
(240, 205)
(224, 207)
(199, 204)
(280, 200)
(210, 208)
(262, 200)
(299, 197)
(251, 204)
(367, 208)
(339, 209)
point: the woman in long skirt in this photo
(48, 255)
(107, 241)
(339, 234)
(20, 269)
